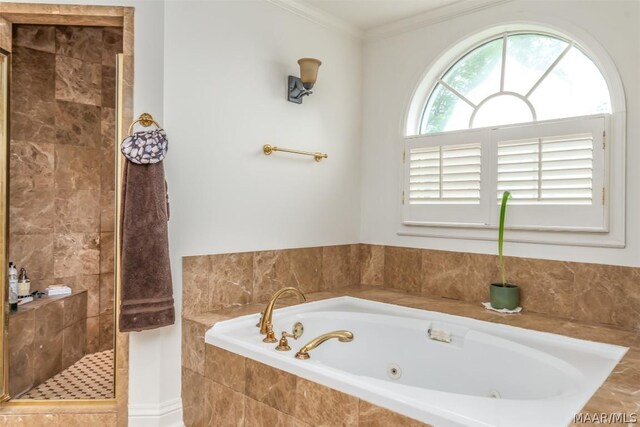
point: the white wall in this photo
(394, 67)
(226, 67)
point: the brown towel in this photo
(147, 293)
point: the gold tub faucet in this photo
(342, 336)
(267, 316)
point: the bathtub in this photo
(487, 375)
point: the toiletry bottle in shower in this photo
(13, 287)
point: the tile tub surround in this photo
(62, 163)
(246, 392)
(46, 336)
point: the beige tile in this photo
(402, 268)
(30, 420)
(31, 212)
(5, 34)
(322, 406)
(195, 284)
(32, 79)
(86, 420)
(107, 293)
(78, 124)
(225, 367)
(222, 406)
(108, 90)
(77, 168)
(111, 45)
(258, 415)
(372, 265)
(107, 253)
(93, 334)
(74, 308)
(107, 210)
(193, 346)
(107, 332)
(230, 280)
(375, 416)
(74, 343)
(193, 398)
(271, 386)
(336, 267)
(76, 211)
(299, 268)
(21, 333)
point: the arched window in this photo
(516, 78)
(525, 112)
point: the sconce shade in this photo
(309, 71)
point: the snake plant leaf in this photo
(503, 208)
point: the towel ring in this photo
(145, 120)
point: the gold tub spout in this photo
(342, 336)
(267, 315)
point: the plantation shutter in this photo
(555, 172)
(443, 178)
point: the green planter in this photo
(507, 296)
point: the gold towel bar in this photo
(268, 149)
(145, 120)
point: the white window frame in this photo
(615, 180)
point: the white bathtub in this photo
(541, 379)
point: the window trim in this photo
(615, 201)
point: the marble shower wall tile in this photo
(77, 168)
(84, 43)
(78, 81)
(111, 45)
(37, 37)
(76, 211)
(371, 265)
(76, 254)
(31, 166)
(31, 212)
(78, 124)
(34, 251)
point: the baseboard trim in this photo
(166, 414)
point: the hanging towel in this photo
(147, 292)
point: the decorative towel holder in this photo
(268, 149)
(145, 120)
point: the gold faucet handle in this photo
(283, 345)
(298, 330)
(260, 320)
(271, 337)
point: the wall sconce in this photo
(301, 86)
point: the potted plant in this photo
(504, 295)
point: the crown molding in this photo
(440, 14)
(319, 17)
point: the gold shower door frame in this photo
(50, 14)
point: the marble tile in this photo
(193, 346)
(107, 210)
(86, 420)
(34, 123)
(111, 45)
(193, 399)
(33, 78)
(106, 332)
(372, 265)
(222, 406)
(78, 124)
(258, 415)
(107, 293)
(77, 168)
(49, 319)
(93, 334)
(271, 386)
(108, 87)
(35, 251)
(84, 43)
(195, 284)
(336, 267)
(457, 275)
(78, 81)
(90, 283)
(5, 34)
(375, 416)
(225, 367)
(74, 343)
(21, 333)
(31, 166)
(545, 286)
(75, 309)
(230, 280)
(37, 37)
(76, 254)
(322, 406)
(402, 268)
(107, 253)
(76, 211)
(48, 354)
(31, 212)
(273, 270)
(30, 420)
